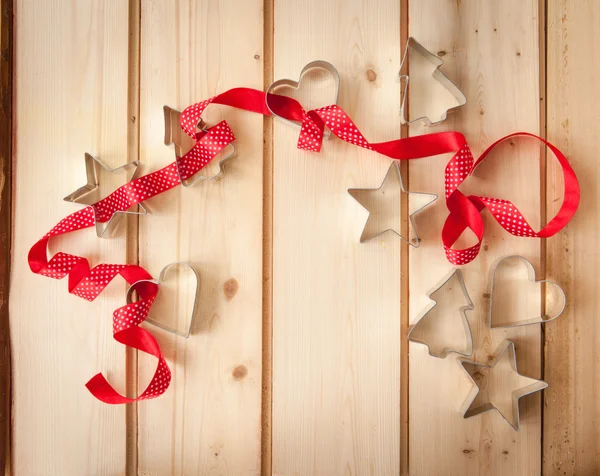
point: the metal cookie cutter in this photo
(313, 65)
(457, 276)
(162, 278)
(507, 348)
(393, 173)
(506, 263)
(183, 143)
(91, 170)
(440, 77)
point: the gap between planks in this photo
(132, 253)
(6, 72)
(266, 460)
(404, 276)
(542, 32)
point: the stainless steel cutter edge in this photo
(157, 281)
(463, 310)
(437, 75)
(466, 410)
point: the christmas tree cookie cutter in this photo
(92, 166)
(472, 369)
(290, 83)
(393, 173)
(162, 277)
(503, 295)
(413, 333)
(183, 143)
(413, 45)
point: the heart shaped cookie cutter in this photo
(313, 65)
(531, 276)
(161, 278)
(176, 136)
(414, 45)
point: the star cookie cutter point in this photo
(413, 44)
(181, 141)
(313, 65)
(393, 169)
(91, 169)
(532, 278)
(463, 314)
(537, 385)
(162, 278)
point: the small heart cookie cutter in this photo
(463, 312)
(176, 136)
(92, 165)
(413, 44)
(531, 276)
(318, 64)
(161, 278)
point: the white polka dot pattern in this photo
(207, 148)
(460, 257)
(508, 216)
(458, 169)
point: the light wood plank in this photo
(571, 430)
(70, 98)
(209, 421)
(491, 50)
(336, 303)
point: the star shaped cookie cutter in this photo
(463, 315)
(182, 142)
(506, 347)
(91, 169)
(162, 277)
(413, 44)
(393, 173)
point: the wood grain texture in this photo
(336, 303)
(209, 421)
(491, 51)
(70, 97)
(572, 415)
(6, 65)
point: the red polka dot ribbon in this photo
(464, 211)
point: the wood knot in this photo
(371, 75)
(441, 53)
(230, 288)
(240, 372)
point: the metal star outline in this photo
(506, 349)
(92, 167)
(393, 173)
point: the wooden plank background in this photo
(298, 363)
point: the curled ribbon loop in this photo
(464, 211)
